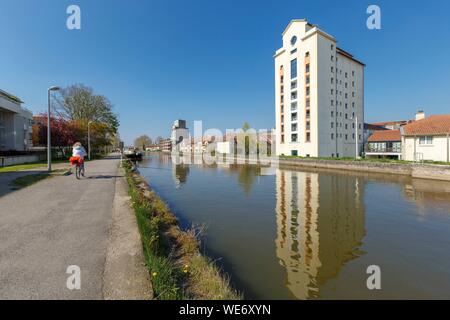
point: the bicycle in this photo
(79, 167)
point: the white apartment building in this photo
(15, 124)
(319, 92)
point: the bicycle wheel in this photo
(78, 171)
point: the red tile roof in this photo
(385, 135)
(390, 123)
(432, 125)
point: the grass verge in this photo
(177, 267)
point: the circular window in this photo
(293, 40)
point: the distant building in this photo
(384, 143)
(427, 138)
(165, 145)
(319, 92)
(15, 124)
(180, 137)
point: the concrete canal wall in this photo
(424, 171)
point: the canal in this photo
(285, 233)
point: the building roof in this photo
(385, 135)
(10, 96)
(390, 123)
(432, 125)
(370, 126)
(348, 55)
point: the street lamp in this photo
(356, 136)
(49, 143)
(89, 141)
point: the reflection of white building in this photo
(320, 223)
(15, 124)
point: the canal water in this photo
(294, 234)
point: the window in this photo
(282, 108)
(293, 95)
(332, 125)
(332, 81)
(332, 102)
(293, 40)
(332, 91)
(308, 103)
(293, 51)
(307, 91)
(294, 69)
(307, 79)
(307, 114)
(346, 96)
(346, 126)
(294, 127)
(307, 54)
(353, 104)
(282, 138)
(332, 47)
(346, 75)
(282, 119)
(332, 70)
(332, 58)
(353, 94)
(332, 136)
(308, 137)
(426, 140)
(294, 116)
(294, 153)
(308, 125)
(346, 106)
(294, 106)
(282, 128)
(294, 137)
(353, 73)
(293, 84)
(307, 68)
(353, 84)
(346, 136)
(332, 114)
(346, 84)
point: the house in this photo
(15, 124)
(319, 95)
(427, 138)
(165, 145)
(384, 144)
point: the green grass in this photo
(177, 268)
(28, 166)
(28, 180)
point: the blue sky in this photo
(212, 60)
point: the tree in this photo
(79, 103)
(142, 142)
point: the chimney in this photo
(420, 115)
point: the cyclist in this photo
(78, 154)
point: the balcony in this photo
(370, 150)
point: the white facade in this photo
(319, 92)
(431, 147)
(15, 124)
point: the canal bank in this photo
(414, 170)
(177, 267)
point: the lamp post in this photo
(89, 140)
(49, 142)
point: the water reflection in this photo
(320, 225)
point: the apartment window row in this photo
(345, 136)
